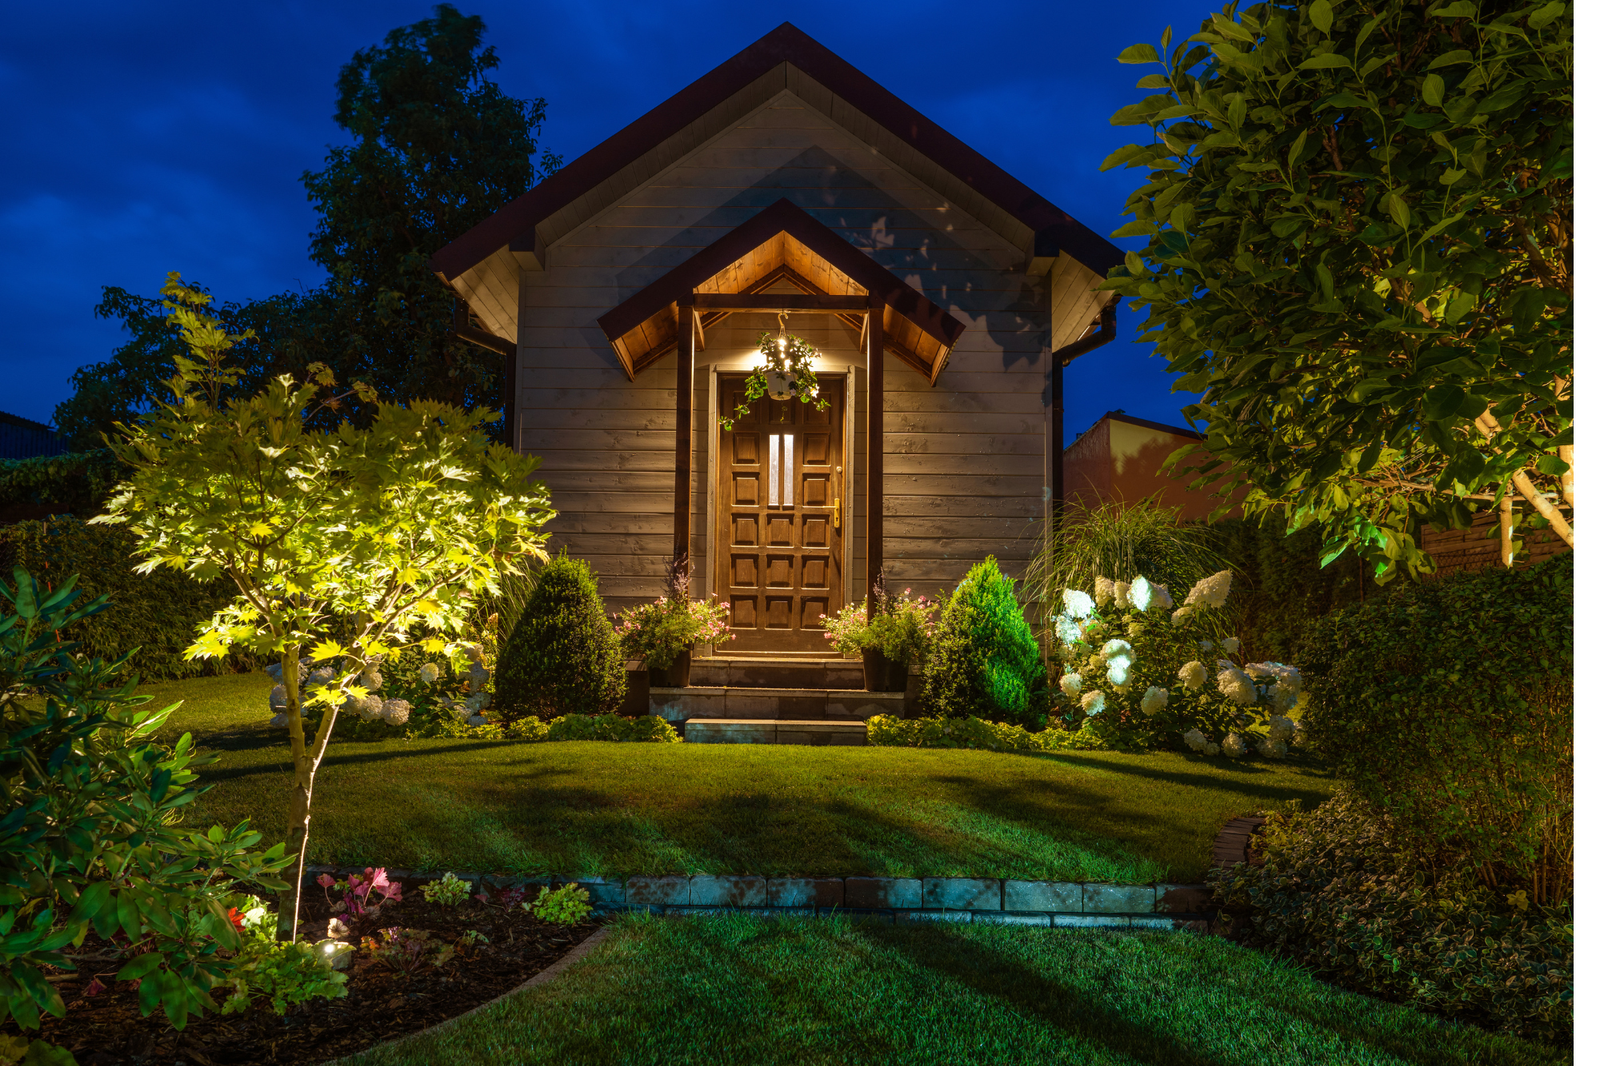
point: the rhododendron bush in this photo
(1139, 673)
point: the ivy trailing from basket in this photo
(787, 367)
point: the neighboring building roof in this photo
(23, 438)
(1182, 431)
(784, 58)
(782, 242)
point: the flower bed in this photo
(393, 987)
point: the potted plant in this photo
(785, 373)
(662, 633)
(897, 636)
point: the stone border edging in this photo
(544, 976)
(1058, 904)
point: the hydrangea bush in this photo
(1139, 673)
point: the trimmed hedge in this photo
(1449, 707)
(885, 731)
(561, 656)
(646, 728)
(155, 613)
(76, 483)
(985, 661)
(1337, 893)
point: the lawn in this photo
(750, 991)
(598, 809)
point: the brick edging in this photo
(1233, 842)
(1058, 904)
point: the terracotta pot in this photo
(674, 676)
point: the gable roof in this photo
(782, 242)
(784, 58)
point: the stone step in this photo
(789, 704)
(775, 672)
(773, 731)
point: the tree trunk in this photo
(305, 773)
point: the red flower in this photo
(236, 918)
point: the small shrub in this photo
(407, 951)
(1338, 893)
(646, 728)
(567, 905)
(562, 656)
(448, 891)
(885, 731)
(1449, 707)
(985, 660)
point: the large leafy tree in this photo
(344, 545)
(436, 148)
(1360, 252)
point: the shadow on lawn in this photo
(1001, 977)
(1210, 781)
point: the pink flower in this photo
(94, 988)
(325, 880)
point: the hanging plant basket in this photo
(785, 373)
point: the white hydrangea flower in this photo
(1183, 614)
(1076, 604)
(1199, 742)
(428, 674)
(1211, 591)
(1155, 700)
(1234, 746)
(322, 675)
(1231, 645)
(372, 678)
(477, 676)
(1069, 631)
(1071, 684)
(1118, 655)
(395, 712)
(477, 719)
(474, 653)
(1160, 598)
(1141, 593)
(1235, 684)
(1093, 702)
(1193, 675)
(1280, 728)
(369, 707)
(1119, 593)
(1272, 748)
(1105, 590)
(1206, 645)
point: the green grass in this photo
(791, 991)
(582, 808)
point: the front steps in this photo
(775, 699)
(791, 704)
(797, 672)
(773, 731)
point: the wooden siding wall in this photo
(966, 469)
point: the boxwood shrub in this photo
(1337, 892)
(985, 661)
(886, 731)
(562, 655)
(1448, 706)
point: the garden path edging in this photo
(1056, 904)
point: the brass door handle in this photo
(836, 512)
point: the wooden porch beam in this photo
(685, 401)
(759, 301)
(875, 356)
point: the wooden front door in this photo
(781, 482)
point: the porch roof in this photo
(782, 243)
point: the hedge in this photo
(885, 731)
(76, 483)
(157, 613)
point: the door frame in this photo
(713, 528)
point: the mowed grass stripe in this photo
(599, 809)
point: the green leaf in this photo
(1450, 59)
(1322, 15)
(139, 966)
(1298, 148)
(1552, 465)
(1139, 53)
(1546, 15)
(1442, 401)
(1369, 457)
(1433, 90)
(1398, 210)
(1459, 9)
(1325, 61)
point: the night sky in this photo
(148, 138)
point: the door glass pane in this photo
(772, 470)
(788, 469)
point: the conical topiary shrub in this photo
(561, 656)
(985, 661)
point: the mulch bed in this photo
(380, 1004)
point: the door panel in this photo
(780, 483)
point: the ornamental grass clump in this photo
(563, 656)
(984, 661)
(1136, 672)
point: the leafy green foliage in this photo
(75, 483)
(90, 839)
(1360, 239)
(567, 905)
(447, 891)
(157, 614)
(985, 662)
(648, 728)
(1337, 892)
(1449, 707)
(341, 543)
(563, 656)
(286, 974)
(657, 633)
(886, 731)
(786, 372)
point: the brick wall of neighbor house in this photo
(1120, 458)
(965, 464)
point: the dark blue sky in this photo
(146, 138)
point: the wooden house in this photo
(628, 293)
